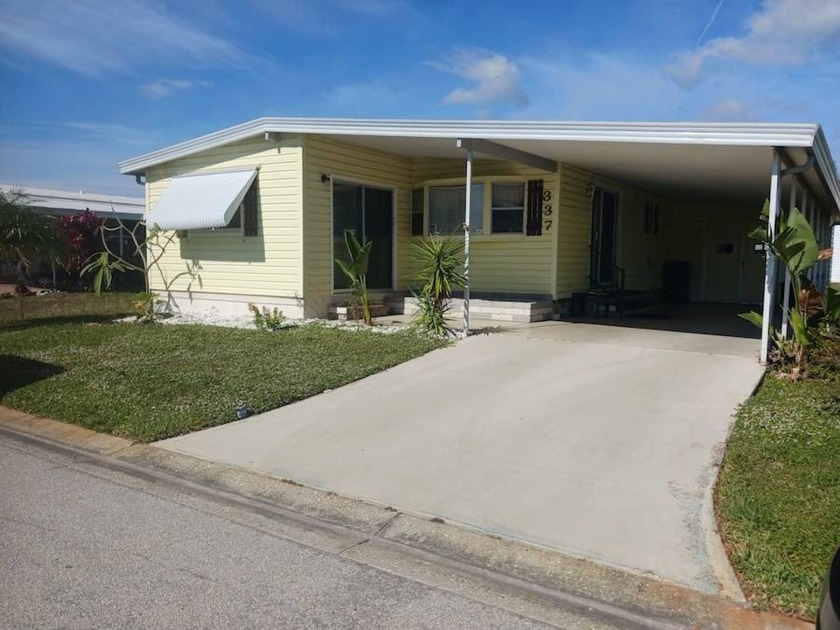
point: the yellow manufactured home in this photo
(558, 210)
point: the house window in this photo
(446, 208)
(249, 211)
(507, 209)
(418, 198)
(246, 219)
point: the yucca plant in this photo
(356, 271)
(440, 272)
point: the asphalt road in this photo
(82, 546)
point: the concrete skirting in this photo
(347, 313)
(230, 303)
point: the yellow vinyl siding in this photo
(351, 163)
(263, 265)
(574, 225)
(640, 254)
(506, 263)
(692, 229)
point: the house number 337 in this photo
(547, 210)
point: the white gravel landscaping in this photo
(214, 318)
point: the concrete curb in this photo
(439, 554)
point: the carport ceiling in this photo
(711, 173)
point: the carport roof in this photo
(711, 161)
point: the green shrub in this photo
(265, 319)
(441, 265)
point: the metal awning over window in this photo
(206, 200)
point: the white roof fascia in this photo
(133, 207)
(827, 168)
(733, 134)
(201, 201)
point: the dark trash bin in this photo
(676, 282)
(578, 304)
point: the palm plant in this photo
(440, 272)
(356, 271)
(25, 233)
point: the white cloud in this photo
(99, 37)
(163, 88)
(785, 32)
(597, 87)
(496, 79)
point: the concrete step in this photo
(494, 310)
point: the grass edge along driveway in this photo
(778, 493)
(150, 381)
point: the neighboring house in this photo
(557, 208)
(60, 203)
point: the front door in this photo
(367, 212)
(734, 269)
(604, 238)
(723, 263)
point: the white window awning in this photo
(206, 200)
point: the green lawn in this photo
(778, 497)
(148, 382)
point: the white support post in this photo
(770, 264)
(822, 278)
(467, 244)
(809, 215)
(786, 295)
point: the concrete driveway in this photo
(597, 441)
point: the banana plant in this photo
(356, 271)
(796, 245)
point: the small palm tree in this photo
(356, 271)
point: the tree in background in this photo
(25, 234)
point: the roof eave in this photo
(749, 134)
(826, 165)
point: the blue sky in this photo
(90, 82)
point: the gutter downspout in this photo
(770, 264)
(467, 244)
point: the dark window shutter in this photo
(417, 203)
(251, 215)
(535, 194)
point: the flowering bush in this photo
(83, 239)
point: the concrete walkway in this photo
(601, 442)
